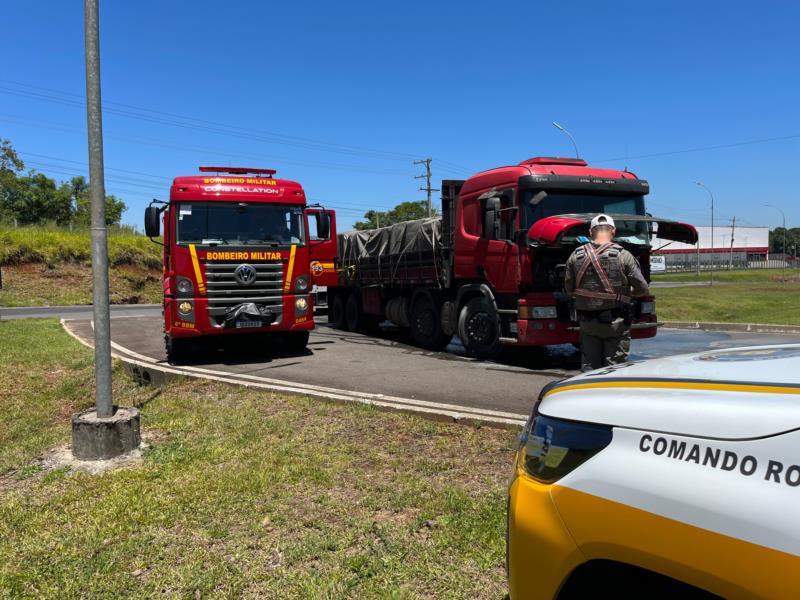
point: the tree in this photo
(79, 192)
(10, 166)
(35, 199)
(405, 211)
(792, 240)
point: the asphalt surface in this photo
(386, 364)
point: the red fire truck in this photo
(491, 269)
(241, 253)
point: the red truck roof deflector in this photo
(551, 230)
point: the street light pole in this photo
(712, 228)
(784, 239)
(569, 135)
(97, 195)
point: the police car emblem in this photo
(245, 274)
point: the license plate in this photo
(512, 327)
(242, 324)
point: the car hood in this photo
(734, 393)
(551, 230)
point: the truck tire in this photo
(337, 311)
(477, 328)
(426, 328)
(177, 349)
(296, 341)
(352, 313)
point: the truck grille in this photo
(223, 291)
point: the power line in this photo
(176, 120)
(704, 148)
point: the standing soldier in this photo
(603, 277)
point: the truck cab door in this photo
(500, 218)
(322, 245)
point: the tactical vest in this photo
(600, 283)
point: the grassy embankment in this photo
(242, 494)
(747, 296)
(49, 266)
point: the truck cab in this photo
(513, 229)
(242, 251)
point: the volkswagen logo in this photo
(245, 274)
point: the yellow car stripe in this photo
(201, 286)
(680, 385)
(727, 566)
(289, 269)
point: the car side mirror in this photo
(491, 219)
(152, 221)
(323, 225)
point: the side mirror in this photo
(323, 225)
(152, 222)
(491, 219)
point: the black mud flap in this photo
(249, 311)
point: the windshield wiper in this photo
(213, 242)
(264, 241)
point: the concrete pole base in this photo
(101, 438)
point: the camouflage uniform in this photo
(602, 279)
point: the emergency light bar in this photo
(238, 170)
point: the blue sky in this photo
(344, 96)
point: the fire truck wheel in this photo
(477, 328)
(337, 311)
(352, 313)
(296, 341)
(426, 329)
(177, 349)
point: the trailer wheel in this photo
(177, 349)
(296, 341)
(477, 328)
(352, 313)
(426, 328)
(337, 311)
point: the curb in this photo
(733, 327)
(148, 371)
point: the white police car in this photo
(678, 475)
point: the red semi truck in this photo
(242, 251)
(491, 269)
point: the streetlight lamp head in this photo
(557, 126)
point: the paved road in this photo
(386, 364)
(78, 312)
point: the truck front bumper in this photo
(200, 323)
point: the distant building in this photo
(748, 245)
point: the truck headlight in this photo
(537, 312)
(648, 308)
(185, 307)
(301, 305)
(551, 448)
(301, 284)
(185, 285)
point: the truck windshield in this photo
(239, 223)
(561, 203)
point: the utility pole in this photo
(711, 281)
(102, 432)
(427, 177)
(783, 215)
(733, 229)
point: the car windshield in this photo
(560, 203)
(239, 223)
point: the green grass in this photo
(755, 296)
(54, 246)
(735, 276)
(51, 266)
(244, 494)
